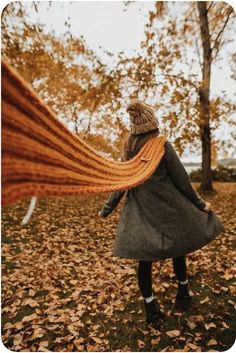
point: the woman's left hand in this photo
(207, 207)
(100, 215)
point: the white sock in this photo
(149, 299)
(183, 282)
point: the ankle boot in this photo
(153, 313)
(183, 299)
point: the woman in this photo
(162, 218)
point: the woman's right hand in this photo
(207, 207)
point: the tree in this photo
(214, 153)
(209, 46)
(181, 82)
(67, 75)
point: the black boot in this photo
(183, 299)
(154, 315)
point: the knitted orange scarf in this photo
(41, 157)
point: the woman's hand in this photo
(207, 207)
(100, 215)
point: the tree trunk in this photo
(204, 91)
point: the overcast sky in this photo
(105, 24)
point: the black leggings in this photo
(145, 274)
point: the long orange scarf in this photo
(41, 157)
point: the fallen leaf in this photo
(44, 343)
(97, 340)
(43, 349)
(17, 339)
(228, 276)
(208, 326)
(173, 333)
(212, 342)
(8, 326)
(207, 299)
(91, 348)
(29, 318)
(193, 346)
(225, 325)
(155, 341)
(192, 325)
(141, 344)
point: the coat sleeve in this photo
(180, 177)
(111, 203)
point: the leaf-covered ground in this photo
(63, 291)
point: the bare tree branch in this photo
(210, 5)
(217, 40)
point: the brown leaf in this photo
(30, 318)
(208, 326)
(17, 339)
(31, 302)
(173, 333)
(97, 340)
(8, 326)
(205, 300)
(155, 341)
(192, 325)
(212, 342)
(228, 276)
(43, 349)
(44, 343)
(141, 344)
(91, 348)
(225, 325)
(193, 346)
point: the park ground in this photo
(62, 290)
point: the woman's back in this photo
(162, 217)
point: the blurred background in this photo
(87, 59)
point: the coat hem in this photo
(209, 240)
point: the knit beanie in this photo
(142, 117)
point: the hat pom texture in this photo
(142, 117)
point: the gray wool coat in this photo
(163, 217)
